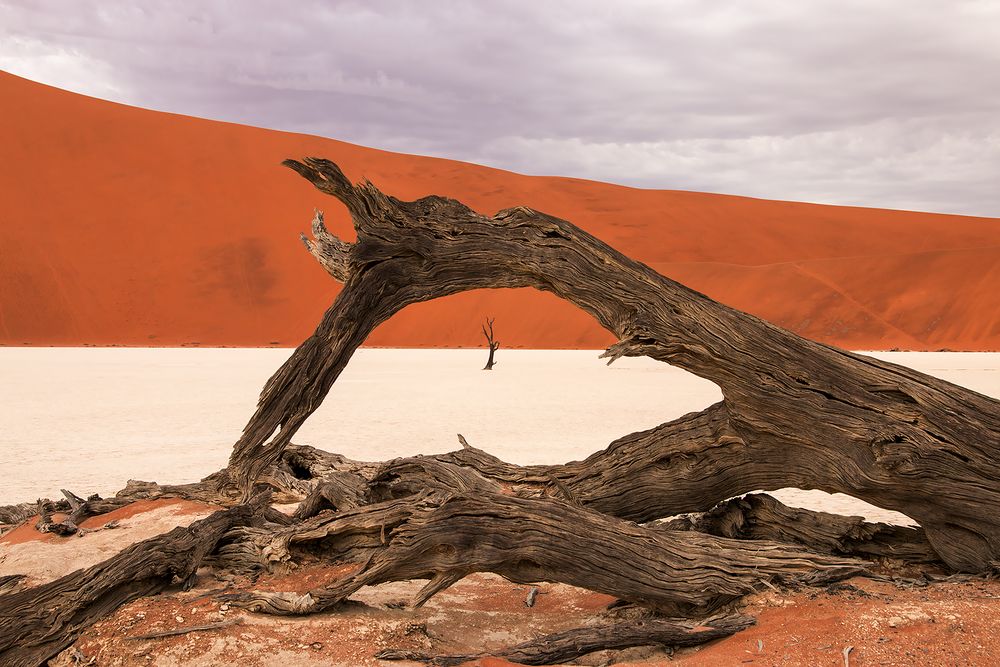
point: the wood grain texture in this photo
(758, 516)
(527, 540)
(795, 413)
(564, 646)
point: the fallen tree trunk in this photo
(79, 510)
(38, 623)
(795, 413)
(9, 583)
(562, 647)
(445, 518)
(472, 472)
(755, 516)
(527, 540)
(12, 515)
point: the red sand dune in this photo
(120, 225)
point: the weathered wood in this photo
(760, 517)
(404, 477)
(309, 463)
(349, 535)
(10, 583)
(338, 490)
(211, 490)
(206, 627)
(38, 623)
(755, 516)
(796, 413)
(527, 540)
(80, 510)
(77, 509)
(492, 343)
(564, 646)
(46, 523)
(12, 515)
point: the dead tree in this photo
(443, 538)
(493, 344)
(795, 412)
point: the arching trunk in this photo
(795, 412)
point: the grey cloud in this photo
(889, 104)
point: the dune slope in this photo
(126, 226)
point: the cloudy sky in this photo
(892, 103)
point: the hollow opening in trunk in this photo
(839, 503)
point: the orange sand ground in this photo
(942, 624)
(125, 226)
(26, 531)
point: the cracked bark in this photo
(758, 516)
(795, 412)
(443, 538)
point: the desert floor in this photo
(949, 622)
(90, 419)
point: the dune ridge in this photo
(124, 226)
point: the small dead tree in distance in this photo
(494, 344)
